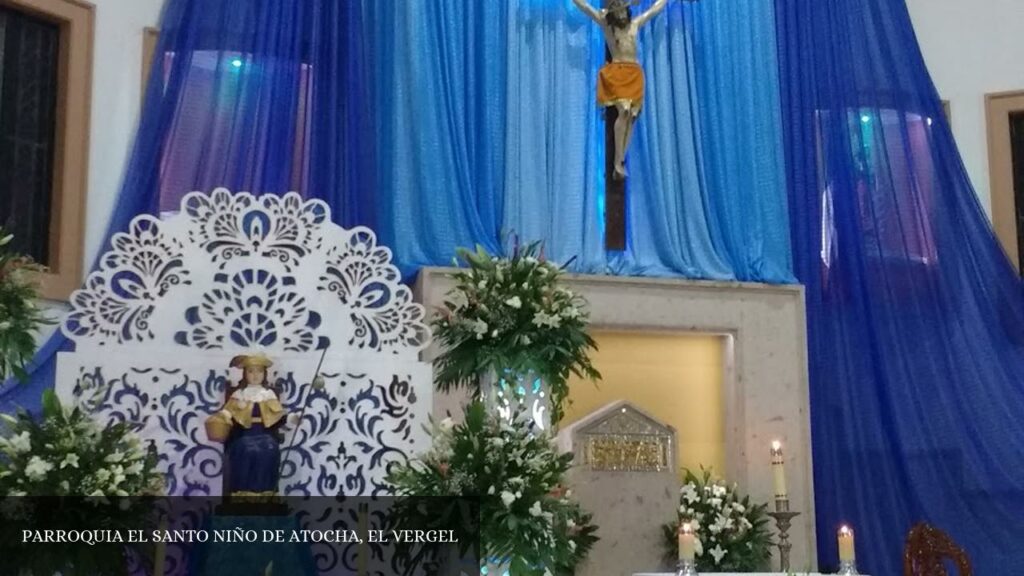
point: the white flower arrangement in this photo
(731, 534)
(66, 453)
(516, 477)
(510, 314)
(63, 471)
(20, 317)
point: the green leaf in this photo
(51, 404)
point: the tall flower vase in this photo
(523, 393)
(495, 567)
(453, 564)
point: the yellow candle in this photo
(686, 546)
(161, 550)
(846, 549)
(778, 469)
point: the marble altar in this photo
(624, 472)
(765, 385)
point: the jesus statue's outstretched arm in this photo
(589, 10)
(651, 12)
(620, 83)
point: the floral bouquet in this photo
(68, 454)
(511, 315)
(65, 472)
(19, 315)
(526, 519)
(731, 534)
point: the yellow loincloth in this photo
(621, 83)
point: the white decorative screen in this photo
(174, 299)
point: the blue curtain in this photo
(441, 109)
(489, 126)
(708, 187)
(446, 124)
(554, 147)
(230, 104)
(741, 131)
(915, 315)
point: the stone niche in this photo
(624, 473)
(764, 385)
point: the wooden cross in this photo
(614, 190)
(614, 187)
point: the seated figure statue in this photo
(250, 425)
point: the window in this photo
(1005, 118)
(45, 70)
(28, 108)
(219, 114)
(883, 162)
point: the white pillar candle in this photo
(778, 470)
(846, 549)
(160, 556)
(686, 545)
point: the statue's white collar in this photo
(254, 394)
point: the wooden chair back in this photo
(926, 550)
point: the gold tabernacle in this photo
(635, 453)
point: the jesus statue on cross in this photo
(621, 81)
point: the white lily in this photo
(20, 443)
(536, 510)
(37, 468)
(507, 498)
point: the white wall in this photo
(972, 47)
(116, 95)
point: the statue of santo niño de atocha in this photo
(251, 427)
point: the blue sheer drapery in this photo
(228, 105)
(489, 125)
(446, 124)
(707, 186)
(915, 315)
(554, 147)
(741, 133)
(440, 108)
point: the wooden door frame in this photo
(998, 106)
(150, 38)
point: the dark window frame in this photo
(76, 21)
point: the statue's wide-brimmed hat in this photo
(247, 360)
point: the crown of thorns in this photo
(621, 4)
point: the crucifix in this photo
(620, 90)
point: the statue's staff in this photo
(317, 384)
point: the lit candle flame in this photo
(847, 551)
(778, 471)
